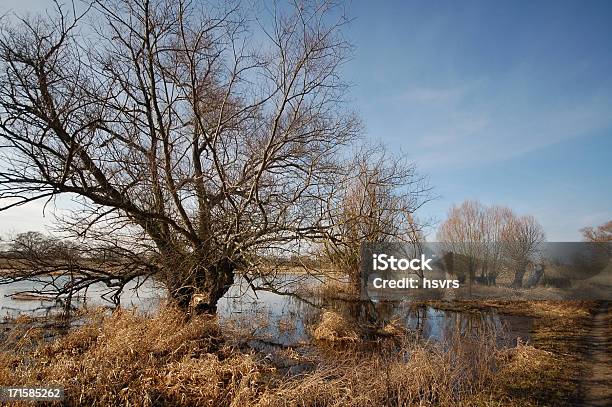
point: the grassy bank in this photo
(560, 336)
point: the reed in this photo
(129, 359)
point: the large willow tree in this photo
(191, 137)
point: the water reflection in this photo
(145, 295)
(268, 315)
(286, 320)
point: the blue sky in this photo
(507, 102)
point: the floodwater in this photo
(286, 320)
(146, 297)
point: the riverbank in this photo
(562, 329)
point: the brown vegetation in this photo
(602, 233)
(376, 202)
(554, 369)
(129, 359)
(333, 327)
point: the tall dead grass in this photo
(335, 328)
(127, 359)
(417, 374)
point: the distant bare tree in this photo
(375, 201)
(27, 243)
(596, 253)
(474, 232)
(191, 138)
(496, 221)
(521, 241)
(461, 235)
(600, 234)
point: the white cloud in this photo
(25, 218)
(470, 139)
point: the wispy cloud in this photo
(480, 121)
(469, 139)
(431, 95)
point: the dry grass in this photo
(415, 374)
(524, 358)
(395, 328)
(332, 288)
(533, 376)
(335, 328)
(559, 341)
(570, 310)
(127, 359)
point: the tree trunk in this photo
(356, 280)
(518, 276)
(535, 277)
(201, 288)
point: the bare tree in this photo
(476, 234)
(192, 138)
(495, 223)
(375, 201)
(596, 251)
(600, 234)
(521, 241)
(460, 234)
(28, 243)
(463, 236)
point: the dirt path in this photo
(598, 386)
